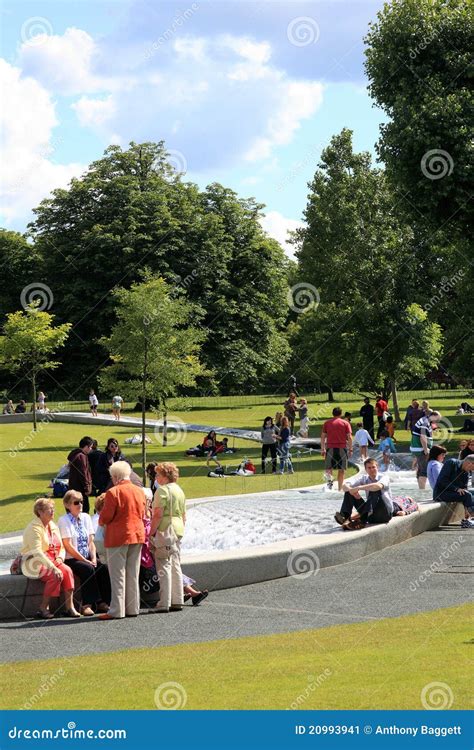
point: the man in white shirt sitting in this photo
(378, 505)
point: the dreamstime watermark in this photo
(177, 161)
(47, 683)
(442, 433)
(180, 284)
(37, 297)
(170, 696)
(313, 684)
(176, 431)
(438, 564)
(445, 287)
(177, 23)
(303, 297)
(437, 696)
(299, 167)
(35, 31)
(302, 31)
(303, 564)
(430, 36)
(30, 437)
(70, 732)
(436, 164)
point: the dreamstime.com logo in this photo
(170, 696)
(438, 564)
(49, 417)
(437, 696)
(37, 297)
(313, 684)
(67, 733)
(437, 164)
(302, 31)
(303, 564)
(303, 297)
(47, 683)
(175, 432)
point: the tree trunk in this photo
(33, 380)
(144, 379)
(165, 424)
(330, 395)
(396, 410)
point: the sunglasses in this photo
(78, 502)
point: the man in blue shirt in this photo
(452, 485)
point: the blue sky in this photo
(244, 93)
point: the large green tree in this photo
(153, 345)
(28, 343)
(419, 63)
(131, 212)
(368, 267)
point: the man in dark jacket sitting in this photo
(452, 486)
(80, 478)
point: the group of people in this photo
(141, 540)
(117, 405)
(291, 408)
(22, 406)
(449, 480)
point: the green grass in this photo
(383, 664)
(28, 461)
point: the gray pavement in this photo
(428, 572)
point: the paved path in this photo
(389, 583)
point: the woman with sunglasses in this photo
(77, 534)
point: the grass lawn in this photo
(383, 664)
(28, 461)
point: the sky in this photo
(245, 93)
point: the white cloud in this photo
(278, 226)
(65, 64)
(217, 99)
(27, 122)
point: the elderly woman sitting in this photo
(122, 516)
(78, 538)
(43, 557)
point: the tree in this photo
(130, 212)
(20, 264)
(419, 62)
(153, 346)
(366, 264)
(28, 342)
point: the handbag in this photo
(166, 542)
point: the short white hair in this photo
(120, 470)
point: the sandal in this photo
(72, 613)
(353, 526)
(44, 615)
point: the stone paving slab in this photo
(427, 572)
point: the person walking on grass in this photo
(381, 410)
(336, 446)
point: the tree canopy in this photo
(131, 213)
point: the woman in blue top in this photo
(435, 463)
(284, 438)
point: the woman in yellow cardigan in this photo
(43, 557)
